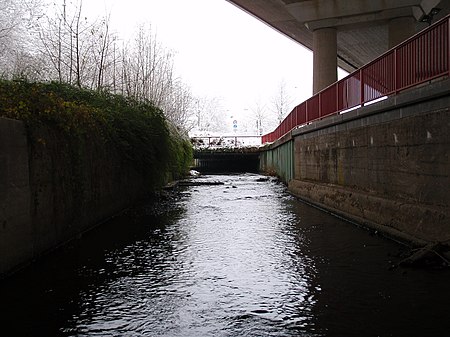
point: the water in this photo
(239, 259)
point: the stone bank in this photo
(384, 165)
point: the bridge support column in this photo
(400, 29)
(324, 58)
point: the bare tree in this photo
(178, 106)
(281, 102)
(103, 56)
(70, 41)
(86, 53)
(147, 68)
(209, 114)
(17, 18)
(260, 117)
(10, 16)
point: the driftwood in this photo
(199, 183)
(432, 254)
(175, 184)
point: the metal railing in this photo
(225, 141)
(421, 58)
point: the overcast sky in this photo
(221, 51)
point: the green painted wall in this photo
(279, 160)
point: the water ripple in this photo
(231, 263)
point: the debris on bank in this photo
(434, 255)
(194, 173)
(199, 183)
(183, 183)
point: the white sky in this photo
(221, 51)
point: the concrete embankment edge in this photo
(52, 190)
(359, 208)
(384, 166)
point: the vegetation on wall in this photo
(137, 130)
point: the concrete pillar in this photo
(324, 58)
(400, 29)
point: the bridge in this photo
(419, 60)
(238, 153)
(345, 33)
(373, 147)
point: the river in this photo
(239, 258)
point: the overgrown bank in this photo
(137, 131)
(88, 155)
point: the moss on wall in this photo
(77, 118)
(90, 155)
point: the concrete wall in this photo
(278, 160)
(15, 196)
(52, 189)
(384, 165)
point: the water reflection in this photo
(239, 259)
(231, 265)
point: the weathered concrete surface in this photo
(15, 195)
(364, 27)
(324, 58)
(409, 222)
(52, 190)
(385, 164)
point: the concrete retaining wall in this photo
(49, 194)
(16, 231)
(385, 165)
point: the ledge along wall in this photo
(47, 199)
(384, 165)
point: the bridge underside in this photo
(362, 25)
(345, 33)
(221, 161)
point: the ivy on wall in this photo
(138, 131)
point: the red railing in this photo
(421, 58)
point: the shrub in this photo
(137, 130)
